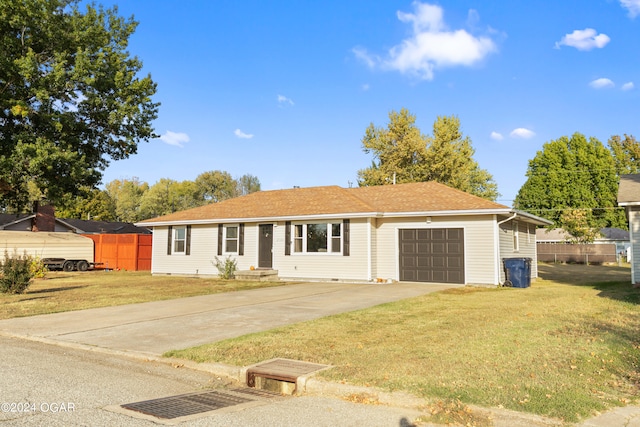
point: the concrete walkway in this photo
(156, 327)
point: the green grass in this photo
(76, 291)
(566, 347)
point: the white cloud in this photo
(364, 56)
(633, 6)
(242, 135)
(586, 39)
(601, 83)
(175, 138)
(365, 87)
(522, 133)
(628, 86)
(497, 136)
(284, 100)
(432, 45)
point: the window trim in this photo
(228, 239)
(299, 235)
(175, 240)
(515, 227)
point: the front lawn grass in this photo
(564, 348)
(61, 291)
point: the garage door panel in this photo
(423, 276)
(432, 255)
(424, 234)
(423, 262)
(454, 248)
(409, 262)
(438, 262)
(423, 248)
(407, 234)
(438, 234)
(409, 248)
(454, 262)
(438, 248)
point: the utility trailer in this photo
(57, 250)
(68, 264)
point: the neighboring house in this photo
(555, 246)
(424, 232)
(629, 198)
(43, 219)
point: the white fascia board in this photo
(628, 203)
(533, 218)
(505, 211)
(259, 219)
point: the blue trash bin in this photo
(517, 272)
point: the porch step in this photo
(261, 275)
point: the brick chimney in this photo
(45, 219)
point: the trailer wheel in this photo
(67, 266)
(83, 265)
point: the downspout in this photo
(369, 251)
(498, 242)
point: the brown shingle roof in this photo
(412, 197)
(629, 189)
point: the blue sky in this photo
(284, 90)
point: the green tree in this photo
(71, 99)
(95, 204)
(127, 195)
(167, 196)
(450, 160)
(403, 154)
(569, 174)
(626, 154)
(247, 184)
(215, 186)
(399, 151)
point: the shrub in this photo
(38, 269)
(227, 268)
(15, 273)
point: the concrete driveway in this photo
(155, 327)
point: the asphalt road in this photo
(48, 385)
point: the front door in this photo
(265, 246)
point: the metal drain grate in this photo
(187, 404)
(258, 393)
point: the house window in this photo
(516, 240)
(231, 239)
(336, 237)
(179, 240)
(298, 238)
(317, 238)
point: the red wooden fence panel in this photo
(122, 251)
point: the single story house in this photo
(629, 198)
(425, 232)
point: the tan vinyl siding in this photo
(526, 246)
(326, 266)
(478, 241)
(634, 229)
(204, 249)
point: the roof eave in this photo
(532, 218)
(505, 211)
